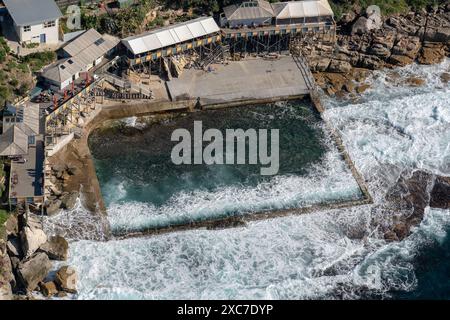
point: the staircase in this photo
(215, 55)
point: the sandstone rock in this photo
(68, 201)
(32, 236)
(400, 60)
(55, 191)
(53, 207)
(66, 278)
(360, 89)
(33, 270)
(335, 80)
(429, 55)
(415, 81)
(349, 86)
(12, 225)
(56, 248)
(339, 66)
(360, 26)
(370, 62)
(407, 46)
(61, 294)
(445, 77)
(72, 170)
(322, 64)
(439, 34)
(380, 50)
(6, 275)
(13, 246)
(331, 91)
(390, 236)
(48, 289)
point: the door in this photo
(43, 38)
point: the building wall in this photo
(34, 36)
(249, 22)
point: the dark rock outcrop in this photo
(440, 194)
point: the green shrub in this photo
(38, 60)
(3, 216)
(14, 82)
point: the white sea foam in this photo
(329, 181)
(308, 256)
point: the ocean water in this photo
(143, 189)
(392, 127)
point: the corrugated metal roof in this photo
(300, 9)
(31, 12)
(171, 35)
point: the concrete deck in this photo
(240, 80)
(29, 174)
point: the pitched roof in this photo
(249, 10)
(81, 42)
(83, 50)
(300, 9)
(62, 70)
(171, 35)
(30, 12)
(14, 142)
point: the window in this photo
(49, 24)
(62, 67)
(27, 28)
(70, 61)
(99, 41)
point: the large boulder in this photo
(360, 26)
(69, 200)
(53, 207)
(440, 34)
(380, 50)
(370, 62)
(32, 236)
(48, 289)
(431, 54)
(400, 60)
(56, 248)
(407, 46)
(33, 270)
(339, 66)
(12, 225)
(66, 278)
(13, 246)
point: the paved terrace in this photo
(27, 177)
(251, 79)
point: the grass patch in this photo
(3, 216)
(38, 60)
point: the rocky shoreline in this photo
(26, 255)
(340, 67)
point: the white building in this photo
(35, 21)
